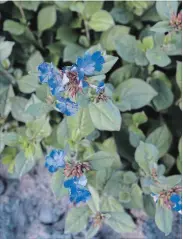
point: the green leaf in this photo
(136, 197)
(135, 136)
(38, 129)
(102, 176)
(94, 202)
(139, 118)
(115, 184)
(123, 73)
(33, 62)
(157, 56)
(101, 21)
(100, 160)
(76, 219)
(179, 74)
(6, 92)
(149, 205)
(62, 132)
(166, 8)
(71, 52)
(46, 18)
(120, 222)
(133, 94)
(164, 219)
(66, 35)
(13, 27)
(162, 27)
(165, 97)
(146, 154)
(38, 109)
(22, 164)
(5, 49)
(161, 138)
(91, 8)
(128, 50)
(102, 118)
(18, 109)
(80, 125)
(110, 204)
(129, 177)
(28, 84)
(109, 63)
(11, 139)
(124, 197)
(109, 37)
(57, 181)
(121, 15)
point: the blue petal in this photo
(79, 194)
(44, 67)
(55, 160)
(67, 107)
(52, 169)
(70, 183)
(175, 198)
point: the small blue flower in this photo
(55, 84)
(66, 106)
(78, 191)
(89, 64)
(100, 87)
(55, 160)
(176, 201)
(79, 194)
(45, 72)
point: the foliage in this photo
(130, 145)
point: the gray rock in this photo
(48, 215)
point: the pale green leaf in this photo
(28, 83)
(13, 27)
(164, 219)
(120, 222)
(80, 125)
(76, 219)
(101, 21)
(146, 154)
(102, 118)
(133, 94)
(46, 18)
(161, 138)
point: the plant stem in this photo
(22, 13)
(87, 30)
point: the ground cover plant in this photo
(94, 89)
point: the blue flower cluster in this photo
(71, 80)
(77, 190)
(176, 200)
(55, 160)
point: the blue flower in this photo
(45, 71)
(66, 106)
(55, 160)
(100, 87)
(176, 202)
(78, 191)
(89, 64)
(55, 84)
(49, 74)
